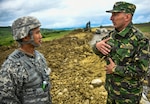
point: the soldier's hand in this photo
(110, 67)
(103, 47)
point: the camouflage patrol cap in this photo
(123, 7)
(22, 26)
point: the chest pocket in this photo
(34, 78)
(125, 50)
(122, 51)
(125, 53)
(33, 92)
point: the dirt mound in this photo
(73, 66)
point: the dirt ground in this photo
(73, 67)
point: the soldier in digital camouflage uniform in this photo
(24, 76)
(125, 50)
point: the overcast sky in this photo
(68, 13)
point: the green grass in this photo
(55, 35)
(5, 36)
(144, 27)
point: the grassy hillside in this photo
(53, 34)
(5, 36)
(48, 34)
(144, 27)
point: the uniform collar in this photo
(27, 54)
(125, 30)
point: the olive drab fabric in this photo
(123, 7)
(22, 77)
(22, 26)
(130, 53)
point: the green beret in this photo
(123, 7)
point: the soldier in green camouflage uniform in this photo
(126, 51)
(24, 76)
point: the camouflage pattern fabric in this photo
(23, 25)
(124, 101)
(123, 7)
(21, 79)
(130, 50)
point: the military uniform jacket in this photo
(21, 79)
(130, 53)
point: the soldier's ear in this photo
(26, 38)
(30, 32)
(128, 17)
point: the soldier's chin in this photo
(40, 41)
(36, 45)
(39, 44)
